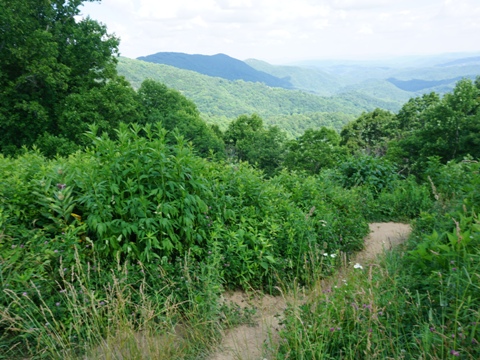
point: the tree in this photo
(448, 129)
(410, 118)
(247, 140)
(176, 112)
(368, 133)
(49, 60)
(314, 150)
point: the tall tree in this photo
(248, 140)
(368, 133)
(48, 56)
(448, 128)
(314, 150)
(176, 112)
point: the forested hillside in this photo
(219, 65)
(125, 217)
(307, 79)
(221, 100)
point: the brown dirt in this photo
(383, 236)
(247, 342)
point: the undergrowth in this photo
(123, 251)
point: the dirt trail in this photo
(247, 342)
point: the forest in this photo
(125, 216)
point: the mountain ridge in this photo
(219, 65)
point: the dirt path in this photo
(247, 342)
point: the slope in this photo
(302, 78)
(219, 65)
(220, 100)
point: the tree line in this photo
(58, 77)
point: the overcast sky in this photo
(279, 31)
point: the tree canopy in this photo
(52, 65)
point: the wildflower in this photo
(61, 186)
(25, 294)
(57, 304)
(332, 329)
(325, 254)
(357, 266)
(454, 353)
(333, 255)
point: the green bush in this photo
(374, 172)
(404, 200)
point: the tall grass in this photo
(391, 309)
(120, 320)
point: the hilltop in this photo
(219, 65)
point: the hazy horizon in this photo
(287, 31)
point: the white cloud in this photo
(276, 30)
(365, 29)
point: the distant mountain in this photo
(462, 62)
(418, 84)
(219, 65)
(220, 100)
(302, 78)
(325, 93)
(446, 68)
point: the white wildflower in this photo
(333, 255)
(358, 266)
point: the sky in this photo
(283, 31)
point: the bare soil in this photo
(247, 342)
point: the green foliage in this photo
(418, 302)
(221, 100)
(373, 172)
(140, 197)
(48, 58)
(175, 111)
(402, 200)
(336, 214)
(247, 140)
(447, 128)
(295, 125)
(314, 150)
(409, 118)
(369, 133)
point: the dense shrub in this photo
(146, 211)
